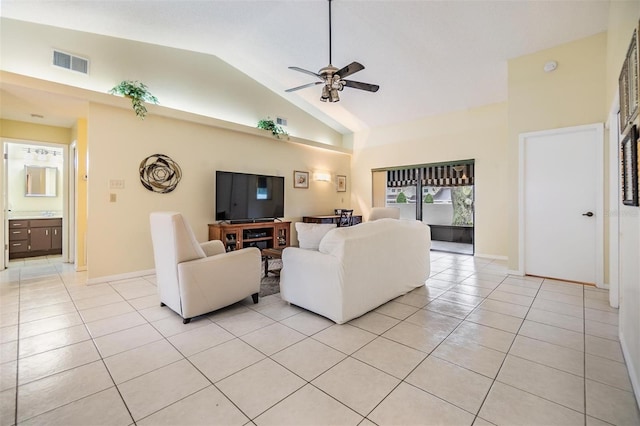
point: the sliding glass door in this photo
(440, 195)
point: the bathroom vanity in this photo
(34, 237)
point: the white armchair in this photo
(194, 278)
(384, 212)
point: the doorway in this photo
(561, 203)
(35, 194)
(439, 194)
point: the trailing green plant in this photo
(271, 126)
(138, 93)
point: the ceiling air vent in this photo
(70, 62)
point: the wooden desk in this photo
(331, 218)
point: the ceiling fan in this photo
(333, 78)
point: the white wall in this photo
(623, 18)
(118, 238)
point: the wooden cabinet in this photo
(56, 238)
(18, 237)
(34, 237)
(40, 239)
(262, 235)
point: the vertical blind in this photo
(450, 174)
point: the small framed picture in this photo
(342, 183)
(629, 168)
(300, 179)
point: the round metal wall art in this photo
(159, 173)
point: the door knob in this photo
(588, 214)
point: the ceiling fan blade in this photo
(352, 68)
(306, 72)
(362, 86)
(304, 86)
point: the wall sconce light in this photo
(321, 176)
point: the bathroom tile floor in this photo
(473, 346)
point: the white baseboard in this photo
(119, 277)
(514, 272)
(631, 367)
(490, 256)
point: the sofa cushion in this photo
(310, 234)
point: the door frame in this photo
(598, 128)
(614, 203)
(65, 193)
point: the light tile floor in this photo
(473, 346)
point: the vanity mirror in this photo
(40, 181)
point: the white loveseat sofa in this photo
(357, 268)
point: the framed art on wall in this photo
(300, 179)
(342, 183)
(628, 85)
(629, 167)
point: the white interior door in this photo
(561, 204)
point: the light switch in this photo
(112, 198)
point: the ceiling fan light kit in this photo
(332, 78)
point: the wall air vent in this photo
(70, 62)
(281, 121)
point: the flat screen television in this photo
(243, 197)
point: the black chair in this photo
(346, 218)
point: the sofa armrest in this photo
(313, 280)
(212, 248)
(302, 260)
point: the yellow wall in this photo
(79, 132)
(181, 79)
(34, 132)
(479, 133)
(118, 238)
(572, 95)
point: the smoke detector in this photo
(550, 66)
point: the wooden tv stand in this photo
(263, 235)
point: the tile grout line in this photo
(530, 307)
(517, 333)
(430, 354)
(99, 354)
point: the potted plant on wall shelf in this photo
(138, 93)
(271, 126)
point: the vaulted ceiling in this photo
(428, 57)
